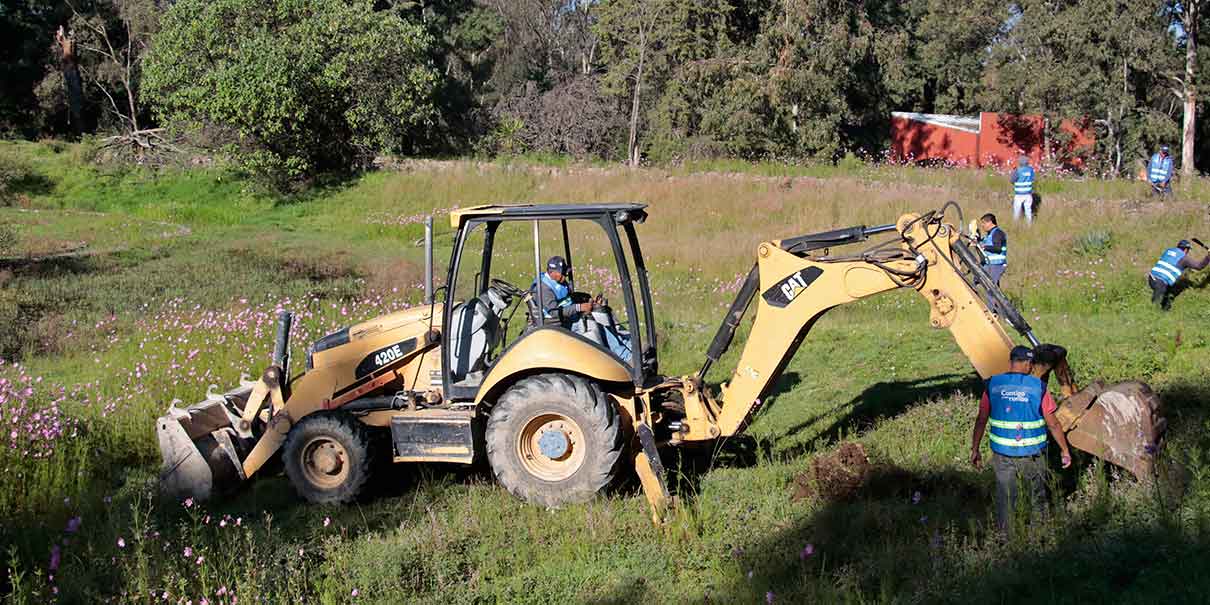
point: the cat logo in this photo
(786, 290)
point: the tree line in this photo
(292, 88)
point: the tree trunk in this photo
(1191, 18)
(632, 148)
(71, 81)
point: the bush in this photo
(12, 173)
(303, 86)
(572, 118)
(8, 238)
(1094, 243)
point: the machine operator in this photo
(557, 305)
(593, 320)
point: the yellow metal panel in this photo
(457, 217)
(307, 396)
(396, 320)
(777, 331)
(368, 337)
(554, 349)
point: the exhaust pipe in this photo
(281, 344)
(428, 260)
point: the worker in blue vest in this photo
(1020, 411)
(559, 308)
(1023, 190)
(994, 245)
(1159, 172)
(1168, 269)
(557, 305)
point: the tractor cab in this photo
(499, 325)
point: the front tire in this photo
(554, 439)
(328, 457)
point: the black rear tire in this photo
(585, 429)
(329, 457)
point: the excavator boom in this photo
(800, 279)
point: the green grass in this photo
(182, 271)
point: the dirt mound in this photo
(836, 476)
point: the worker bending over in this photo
(1023, 190)
(1168, 269)
(1159, 171)
(1020, 410)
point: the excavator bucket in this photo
(201, 446)
(204, 445)
(1121, 424)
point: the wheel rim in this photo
(551, 446)
(325, 462)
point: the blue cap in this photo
(557, 263)
(1021, 353)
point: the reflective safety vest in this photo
(1017, 425)
(1023, 183)
(1168, 268)
(994, 258)
(1160, 168)
(562, 294)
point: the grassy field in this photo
(129, 289)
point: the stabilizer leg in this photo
(651, 474)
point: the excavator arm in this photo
(795, 281)
(796, 287)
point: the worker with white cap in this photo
(1159, 171)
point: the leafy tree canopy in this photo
(295, 86)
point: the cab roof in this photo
(622, 212)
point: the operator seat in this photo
(474, 332)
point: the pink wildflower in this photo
(73, 525)
(121, 542)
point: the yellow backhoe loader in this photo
(561, 408)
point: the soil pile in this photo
(836, 476)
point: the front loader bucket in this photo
(201, 448)
(1120, 424)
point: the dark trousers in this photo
(1161, 293)
(995, 272)
(1012, 473)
